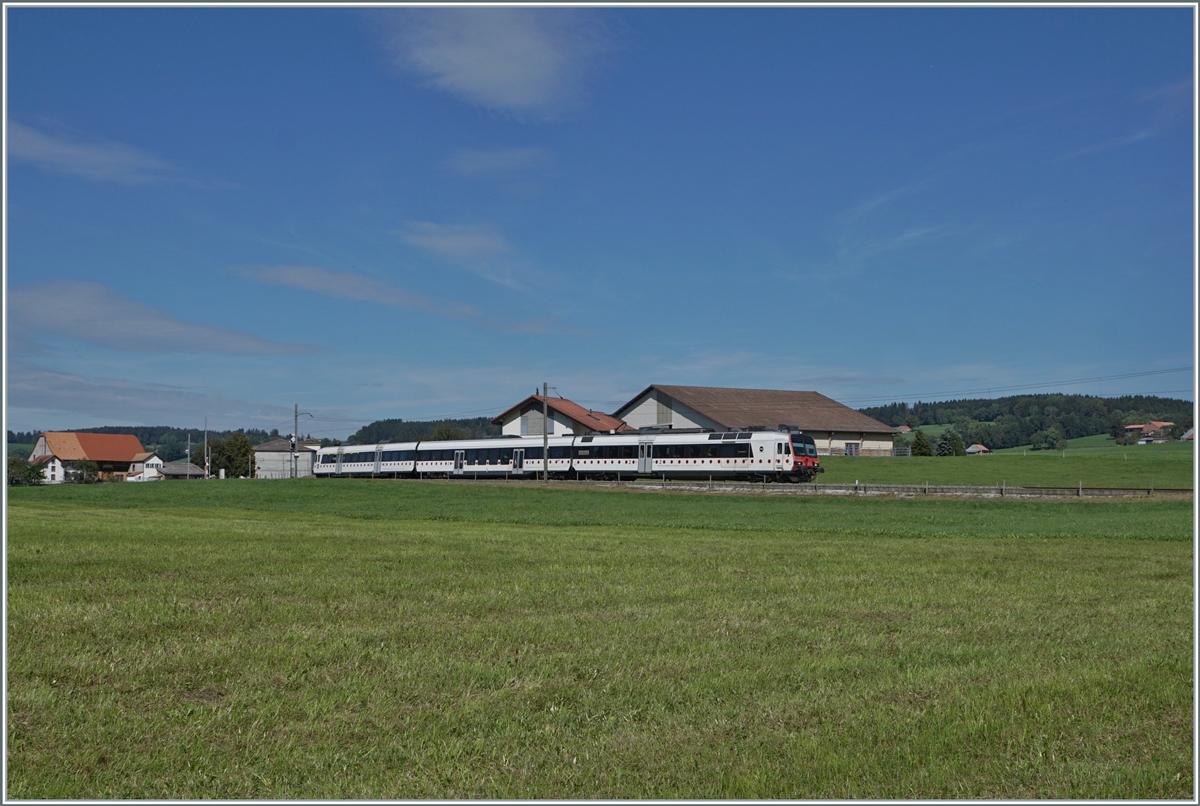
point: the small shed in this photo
(273, 460)
(977, 449)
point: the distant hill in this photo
(415, 430)
(1007, 422)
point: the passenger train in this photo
(783, 454)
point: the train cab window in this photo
(741, 449)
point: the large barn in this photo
(56, 453)
(836, 429)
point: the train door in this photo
(378, 460)
(458, 462)
(338, 470)
(518, 460)
(646, 458)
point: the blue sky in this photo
(417, 213)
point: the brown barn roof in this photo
(739, 408)
(595, 420)
(75, 445)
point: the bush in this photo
(1050, 439)
(23, 473)
(83, 472)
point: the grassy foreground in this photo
(1096, 462)
(363, 639)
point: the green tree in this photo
(21, 472)
(1049, 439)
(84, 471)
(216, 454)
(237, 456)
(1116, 429)
(447, 432)
(945, 444)
(921, 446)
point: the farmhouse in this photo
(566, 417)
(836, 429)
(273, 460)
(145, 467)
(58, 451)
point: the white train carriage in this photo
(497, 457)
(391, 459)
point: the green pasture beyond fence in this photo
(367, 639)
(1092, 461)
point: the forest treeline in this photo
(382, 431)
(1008, 422)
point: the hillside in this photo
(415, 430)
(1009, 422)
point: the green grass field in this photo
(1094, 461)
(379, 639)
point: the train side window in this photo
(505, 456)
(533, 453)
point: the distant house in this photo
(56, 452)
(1188, 436)
(977, 449)
(566, 417)
(145, 467)
(273, 460)
(1150, 432)
(904, 429)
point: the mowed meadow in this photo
(382, 639)
(1091, 461)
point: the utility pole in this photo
(296, 444)
(206, 456)
(189, 456)
(545, 433)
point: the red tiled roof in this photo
(75, 445)
(594, 420)
(738, 408)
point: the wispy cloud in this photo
(48, 394)
(96, 314)
(1169, 102)
(348, 285)
(98, 160)
(853, 252)
(883, 199)
(520, 61)
(480, 248)
(496, 162)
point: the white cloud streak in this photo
(496, 162)
(48, 394)
(520, 61)
(97, 160)
(348, 285)
(96, 314)
(478, 248)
